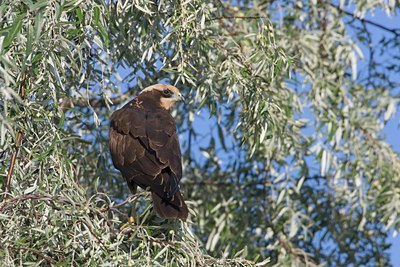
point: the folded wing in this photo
(145, 148)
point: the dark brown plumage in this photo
(145, 148)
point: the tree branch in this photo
(37, 253)
(237, 17)
(18, 141)
(94, 235)
(98, 103)
(68, 102)
(252, 183)
(394, 31)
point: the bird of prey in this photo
(145, 148)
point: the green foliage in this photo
(43, 229)
(291, 169)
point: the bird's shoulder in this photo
(136, 118)
(129, 119)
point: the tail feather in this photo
(173, 207)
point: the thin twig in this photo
(67, 103)
(18, 141)
(98, 103)
(363, 20)
(20, 198)
(237, 17)
(262, 182)
(13, 159)
(94, 235)
(129, 199)
(47, 258)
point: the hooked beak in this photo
(179, 97)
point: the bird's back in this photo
(144, 146)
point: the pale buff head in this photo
(170, 94)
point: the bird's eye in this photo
(166, 92)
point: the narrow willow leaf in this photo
(13, 30)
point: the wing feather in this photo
(145, 148)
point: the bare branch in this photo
(67, 103)
(238, 17)
(18, 141)
(37, 253)
(395, 31)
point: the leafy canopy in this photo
(285, 161)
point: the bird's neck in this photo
(150, 103)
